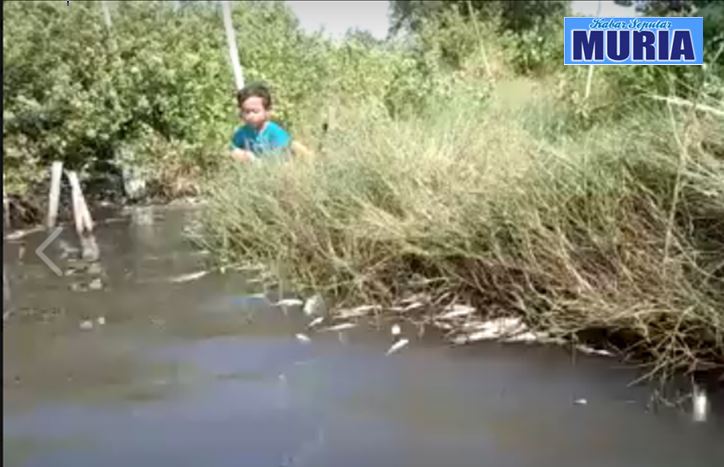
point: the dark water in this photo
(206, 373)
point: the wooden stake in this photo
(83, 220)
(6, 207)
(56, 173)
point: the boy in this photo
(259, 137)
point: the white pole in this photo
(56, 171)
(106, 13)
(231, 41)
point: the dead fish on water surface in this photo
(359, 311)
(316, 321)
(399, 343)
(456, 311)
(289, 302)
(340, 327)
(192, 276)
(397, 346)
(303, 338)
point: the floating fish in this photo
(101, 320)
(340, 327)
(457, 311)
(289, 302)
(413, 306)
(494, 329)
(397, 346)
(358, 311)
(580, 401)
(188, 277)
(591, 351)
(316, 321)
(303, 338)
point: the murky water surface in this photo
(207, 373)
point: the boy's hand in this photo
(242, 155)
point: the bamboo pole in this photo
(231, 42)
(56, 172)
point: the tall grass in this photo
(614, 232)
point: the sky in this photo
(335, 17)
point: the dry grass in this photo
(615, 233)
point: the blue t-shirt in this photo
(271, 139)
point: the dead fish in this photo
(95, 284)
(528, 336)
(591, 351)
(457, 311)
(314, 306)
(358, 311)
(413, 306)
(340, 327)
(289, 302)
(316, 321)
(397, 346)
(101, 320)
(493, 329)
(303, 338)
(188, 277)
(416, 298)
(580, 401)
(86, 325)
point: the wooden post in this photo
(56, 172)
(231, 41)
(6, 207)
(83, 220)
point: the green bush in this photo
(97, 99)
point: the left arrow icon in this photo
(40, 251)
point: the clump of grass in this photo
(614, 233)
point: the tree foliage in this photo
(517, 16)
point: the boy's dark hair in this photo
(255, 90)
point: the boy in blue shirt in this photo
(259, 137)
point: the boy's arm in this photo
(236, 151)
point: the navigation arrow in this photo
(44, 245)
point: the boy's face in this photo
(253, 112)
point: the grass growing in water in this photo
(614, 233)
